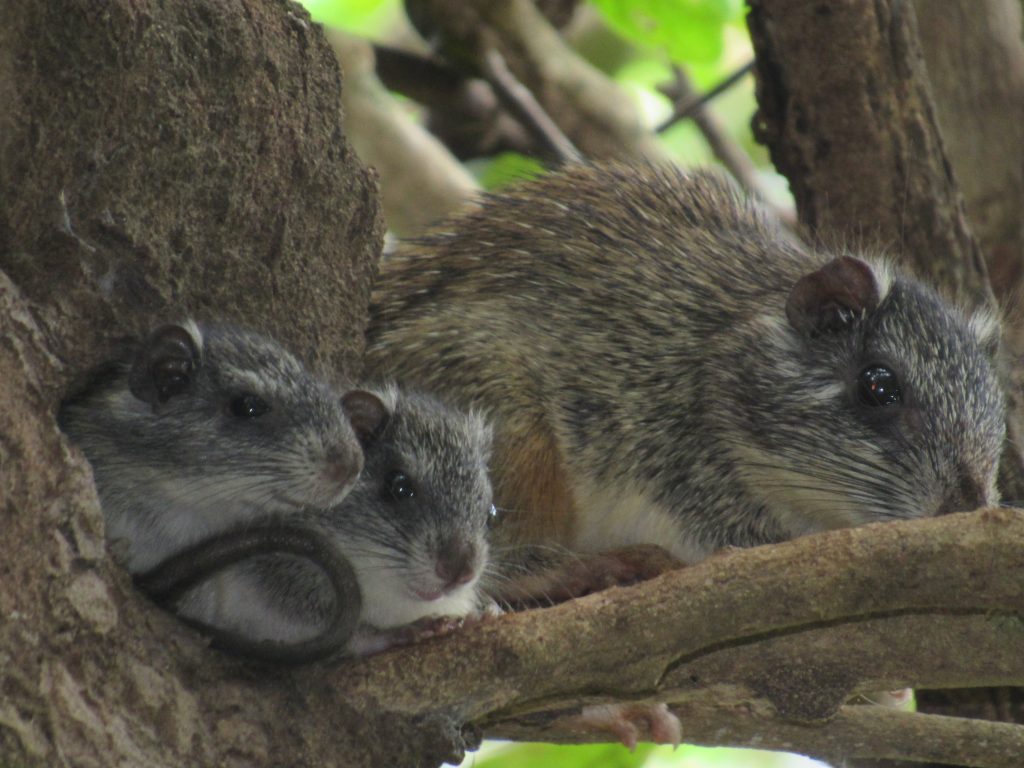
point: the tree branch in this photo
(870, 731)
(686, 102)
(728, 151)
(878, 608)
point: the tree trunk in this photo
(157, 160)
(975, 58)
(845, 110)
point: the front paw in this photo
(579, 575)
(628, 723)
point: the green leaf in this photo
(364, 16)
(506, 168)
(559, 756)
(688, 30)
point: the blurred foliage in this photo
(706, 37)
(368, 17)
(506, 755)
(709, 39)
(687, 30)
(504, 169)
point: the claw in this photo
(628, 722)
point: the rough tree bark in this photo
(158, 159)
(845, 109)
(975, 57)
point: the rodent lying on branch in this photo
(213, 446)
(661, 365)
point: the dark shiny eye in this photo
(492, 516)
(399, 487)
(172, 377)
(878, 385)
(248, 407)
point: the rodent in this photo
(414, 528)
(205, 426)
(211, 444)
(662, 365)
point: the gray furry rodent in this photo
(214, 442)
(414, 528)
(661, 365)
(204, 427)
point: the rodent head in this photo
(881, 402)
(415, 526)
(206, 426)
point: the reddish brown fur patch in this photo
(532, 486)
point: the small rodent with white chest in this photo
(214, 443)
(662, 365)
(204, 427)
(414, 528)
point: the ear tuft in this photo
(825, 301)
(987, 329)
(165, 365)
(367, 414)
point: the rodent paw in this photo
(587, 574)
(629, 722)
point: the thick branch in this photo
(745, 594)
(876, 608)
(871, 732)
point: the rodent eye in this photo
(398, 487)
(248, 407)
(492, 516)
(877, 385)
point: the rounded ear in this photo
(367, 414)
(827, 300)
(165, 365)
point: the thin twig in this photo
(723, 146)
(517, 99)
(686, 103)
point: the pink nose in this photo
(456, 563)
